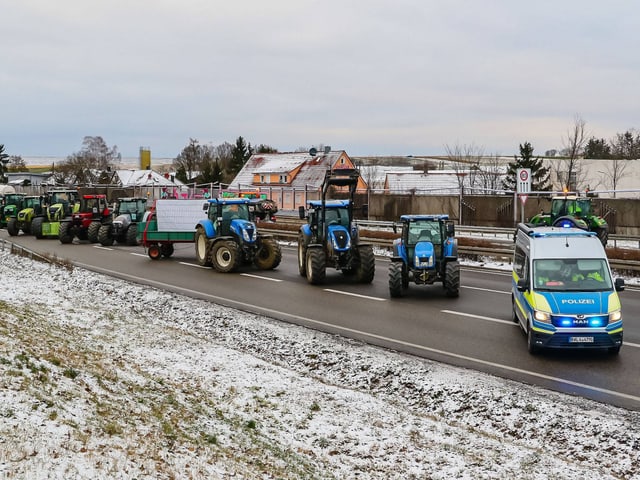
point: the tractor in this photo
(573, 211)
(12, 203)
(31, 208)
(425, 253)
(85, 222)
(124, 227)
(330, 238)
(228, 238)
(56, 205)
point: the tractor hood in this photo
(339, 237)
(244, 229)
(424, 255)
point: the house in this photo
(290, 179)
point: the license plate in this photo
(580, 339)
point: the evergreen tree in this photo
(4, 158)
(597, 148)
(239, 156)
(539, 173)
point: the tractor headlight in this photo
(249, 234)
(336, 246)
(424, 262)
(541, 316)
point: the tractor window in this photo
(424, 231)
(234, 210)
(337, 216)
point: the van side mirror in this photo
(301, 212)
(522, 285)
(619, 284)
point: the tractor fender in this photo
(451, 248)
(306, 230)
(208, 227)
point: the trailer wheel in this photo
(203, 255)
(395, 279)
(105, 236)
(225, 256)
(154, 252)
(452, 279)
(268, 255)
(166, 249)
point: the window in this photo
(283, 179)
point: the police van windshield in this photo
(571, 274)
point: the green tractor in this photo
(31, 208)
(573, 211)
(11, 205)
(57, 205)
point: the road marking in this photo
(138, 254)
(102, 248)
(193, 265)
(271, 312)
(480, 317)
(486, 290)
(341, 292)
(261, 277)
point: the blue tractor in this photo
(228, 237)
(330, 236)
(426, 252)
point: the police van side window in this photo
(520, 262)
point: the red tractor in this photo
(85, 222)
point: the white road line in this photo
(261, 277)
(139, 254)
(102, 248)
(480, 317)
(486, 290)
(193, 265)
(269, 311)
(377, 299)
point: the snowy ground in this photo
(100, 378)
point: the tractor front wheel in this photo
(226, 256)
(92, 231)
(452, 279)
(105, 236)
(395, 279)
(64, 234)
(36, 227)
(132, 235)
(316, 266)
(269, 255)
(12, 227)
(302, 256)
(366, 264)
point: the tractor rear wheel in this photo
(316, 266)
(203, 255)
(64, 234)
(395, 279)
(603, 235)
(105, 236)
(36, 227)
(452, 279)
(92, 231)
(12, 227)
(302, 255)
(226, 256)
(269, 255)
(366, 264)
(132, 235)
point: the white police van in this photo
(563, 295)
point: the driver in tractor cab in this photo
(574, 209)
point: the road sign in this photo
(523, 184)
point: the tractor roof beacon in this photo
(330, 237)
(425, 253)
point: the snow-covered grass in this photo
(100, 378)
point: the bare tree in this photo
(571, 176)
(614, 172)
(491, 173)
(465, 161)
(372, 175)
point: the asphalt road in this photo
(473, 331)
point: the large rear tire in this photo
(92, 231)
(105, 237)
(316, 266)
(395, 279)
(269, 255)
(225, 256)
(366, 264)
(452, 279)
(603, 235)
(64, 234)
(203, 255)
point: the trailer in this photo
(169, 222)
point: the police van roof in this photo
(544, 231)
(559, 242)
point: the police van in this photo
(563, 295)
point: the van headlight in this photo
(615, 316)
(542, 316)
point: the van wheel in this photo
(531, 345)
(514, 316)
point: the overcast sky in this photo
(372, 77)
